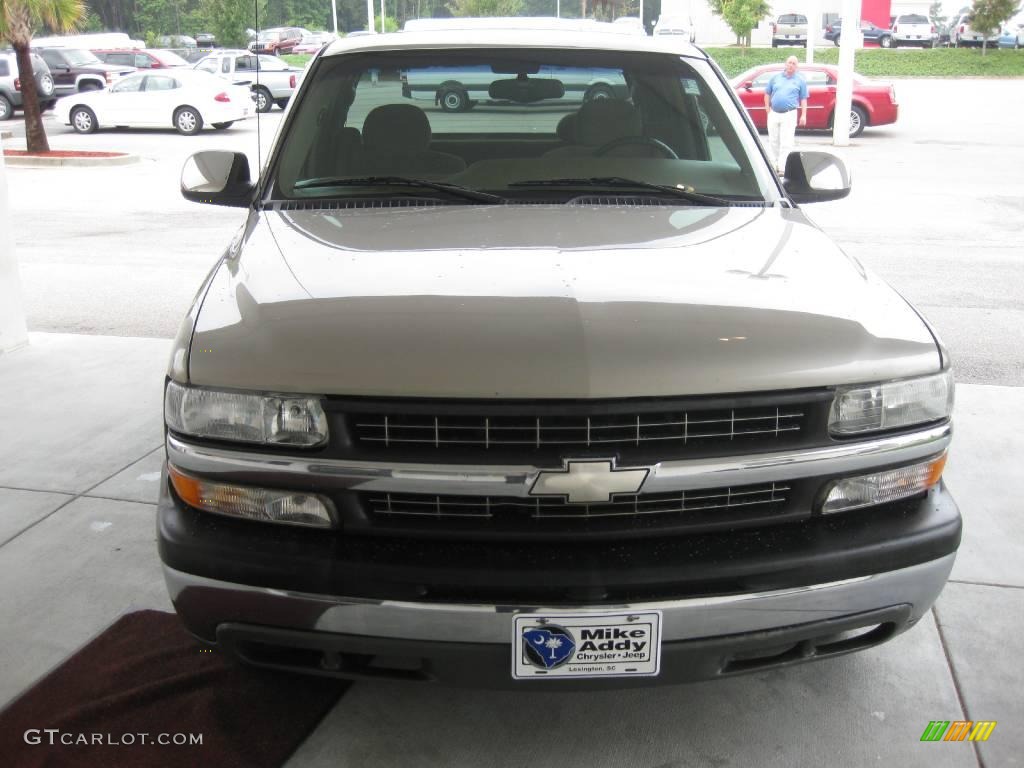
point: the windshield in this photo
(267, 36)
(78, 58)
(511, 122)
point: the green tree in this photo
(935, 14)
(19, 21)
(485, 7)
(741, 16)
(988, 15)
(228, 20)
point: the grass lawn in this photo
(878, 62)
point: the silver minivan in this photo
(544, 396)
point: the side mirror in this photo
(748, 85)
(815, 177)
(217, 178)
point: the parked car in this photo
(206, 39)
(277, 40)
(313, 42)
(10, 84)
(872, 33)
(963, 36)
(147, 58)
(176, 41)
(789, 29)
(76, 70)
(676, 26)
(914, 29)
(630, 25)
(181, 99)
(1012, 37)
(473, 399)
(874, 103)
(272, 81)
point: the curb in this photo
(22, 161)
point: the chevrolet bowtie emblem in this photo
(589, 481)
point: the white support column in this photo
(13, 332)
(813, 28)
(382, 17)
(334, 15)
(849, 41)
(369, 17)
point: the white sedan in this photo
(183, 99)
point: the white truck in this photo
(272, 81)
(914, 29)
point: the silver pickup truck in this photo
(551, 398)
(272, 81)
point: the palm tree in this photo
(19, 20)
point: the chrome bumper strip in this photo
(204, 602)
(483, 480)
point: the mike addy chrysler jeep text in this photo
(548, 392)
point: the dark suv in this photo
(10, 84)
(277, 41)
(75, 70)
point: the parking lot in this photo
(111, 257)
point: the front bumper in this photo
(731, 602)
(703, 638)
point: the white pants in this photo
(781, 136)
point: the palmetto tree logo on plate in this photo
(548, 646)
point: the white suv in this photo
(789, 29)
(10, 84)
(914, 29)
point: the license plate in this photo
(582, 645)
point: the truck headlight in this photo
(891, 405)
(244, 417)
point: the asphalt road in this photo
(936, 209)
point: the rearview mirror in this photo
(523, 90)
(815, 177)
(217, 178)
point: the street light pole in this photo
(370, 27)
(334, 14)
(382, 17)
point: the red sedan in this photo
(874, 103)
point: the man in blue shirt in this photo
(785, 92)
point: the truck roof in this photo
(515, 33)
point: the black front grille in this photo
(744, 501)
(510, 518)
(544, 433)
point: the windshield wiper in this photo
(401, 181)
(618, 182)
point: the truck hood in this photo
(545, 302)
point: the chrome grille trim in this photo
(488, 432)
(250, 467)
(746, 499)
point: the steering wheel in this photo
(645, 140)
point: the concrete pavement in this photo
(79, 463)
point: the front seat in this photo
(396, 142)
(599, 122)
